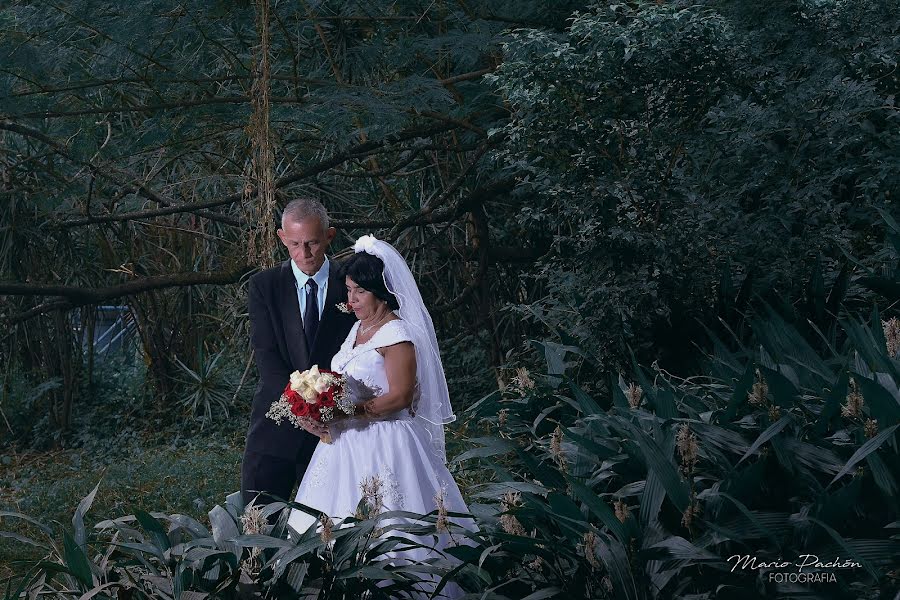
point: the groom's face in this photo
(306, 242)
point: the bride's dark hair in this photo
(368, 273)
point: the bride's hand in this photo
(370, 409)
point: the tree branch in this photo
(101, 172)
(80, 295)
(285, 181)
(162, 81)
(467, 76)
(103, 110)
(74, 296)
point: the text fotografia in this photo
(808, 568)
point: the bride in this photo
(394, 444)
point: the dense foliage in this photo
(779, 450)
(582, 189)
(667, 145)
(599, 169)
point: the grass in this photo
(189, 479)
(143, 459)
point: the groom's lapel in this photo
(290, 318)
(329, 311)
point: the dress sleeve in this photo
(393, 333)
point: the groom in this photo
(294, 324)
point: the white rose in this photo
(308, 393)
(322, 384)
(296, 381)
(313, 397)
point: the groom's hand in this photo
(314, 427)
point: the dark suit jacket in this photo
(276, 334)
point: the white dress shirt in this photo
(321, 279)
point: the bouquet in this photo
(318, 395)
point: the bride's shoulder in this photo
(396, 330)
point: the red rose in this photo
(301, 409)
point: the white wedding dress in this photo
(397, 449)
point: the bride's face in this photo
(363, 302)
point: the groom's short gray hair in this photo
(301, 209)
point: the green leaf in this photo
(783, 391)
(549, 592)
(652, 498)
(597, 506)
(864, 450)
(76, 560)
(665, 469)
(615, 559)
(679, 548)
(882, 474)
(589, 406)
(882, 404)
(495, 490)
(22, 539)
(848, 548)
(78, 517)
(599, 450)
(492, 447)
(92, 593)
(833, 401)
(36, 523)
(548, 476)
(739, 395)
(224, 530)
(770, 432)
(296, 574)
(760, 527)
(262, 541)
(555, 355)
(664, 403)
(154, 528)
(617, 385)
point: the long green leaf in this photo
(864, 450)
(597, 448)
(36, 523)
(589, 406)
(78, 517)
(662, 465)
(597, 506)
(770, 432)
(549, 592)
(76, 560)
(23, 539)
(848, 548)
(154, 528)
(739, 395)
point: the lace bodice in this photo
(366, 364)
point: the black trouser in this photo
(273, 477)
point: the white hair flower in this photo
(365, 243)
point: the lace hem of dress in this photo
(390, 487)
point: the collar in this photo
(321, 276)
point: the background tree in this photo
(139, 166)
(674, 148)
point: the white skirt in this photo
(397, 452)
